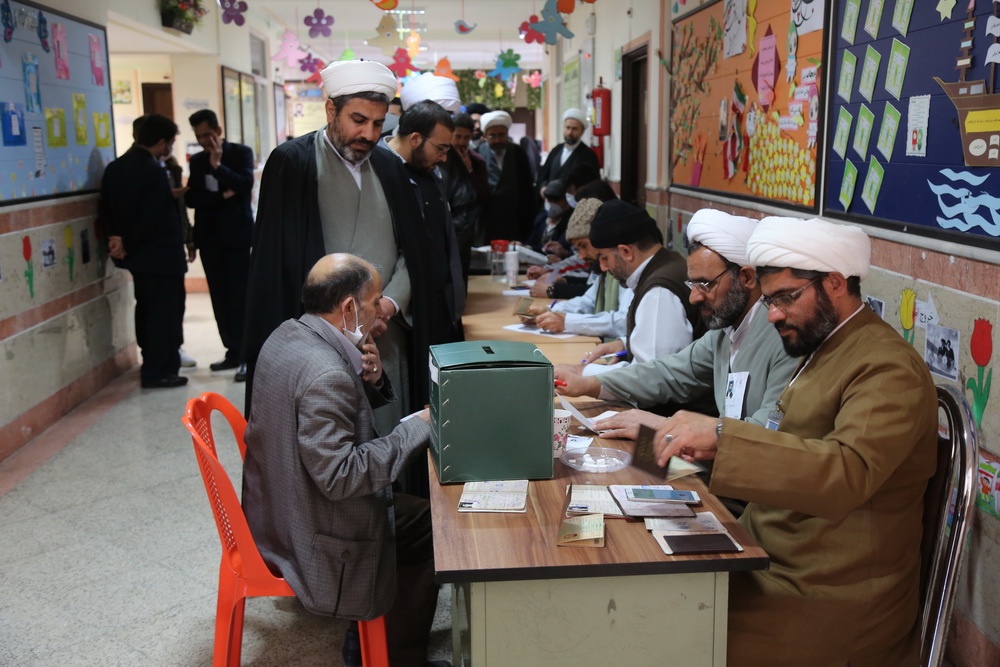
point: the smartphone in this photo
(663, 495)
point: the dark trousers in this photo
(159, 322)
(227, 269)
(408, 623)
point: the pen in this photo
(617, 355)
(554, 302)
(559, 383)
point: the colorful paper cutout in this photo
(32, 90)
(443, 68)
(944, 8)
(96, 60)
(309, 63)
(401, 64)
(290, 50)
(232, 12)
(506, 66)
(347, 54)
(846, 82)
(14, 133)
(528, 33)
(896, 69)
(413, 44)
(42, 30)
(847, 185)
(765, 68)
(869, 73)
(874, 17)
(552, 24)
(843, 132)
(55, 127)
(80, 118)
(887, 131)
(873, 183)
(386, 5)
(29, 271)
(387, 38)
(534, 79)
(863, 132)
(960, 205)
(319, 23)
(7, 17)
(791, 65)
(848, 29)
(463, 28)
(61, 51)
(901, 16)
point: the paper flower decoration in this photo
(552, 24)
(401, 64)
(318, 23)
(981, 346)
(232, 11)
(506, 64)
(43, 31)
(907, 313)
(290, 50)
(534, 79)
(308, 63)
(528, 33)
(443, 68)
(8, 20)
(387, 38)
(463, 28)
(29, 272)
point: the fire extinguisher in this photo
(602, 109)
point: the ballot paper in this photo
(649, 509)
(534, 329)
(577, 442)
(587, 422)
(501, 496)
(591, 499)
(585, 530)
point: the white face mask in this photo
(571, 200)
(355, 336)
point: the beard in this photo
(732, 306)
(571, 142)
(420, 160)
(354, 151)
(813, 330)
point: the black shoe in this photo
(165, 382)
(241, 374)
(351, 653)
(225, 365)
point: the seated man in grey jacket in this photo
(740, 360)
(317, 480)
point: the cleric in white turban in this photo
(350, 77)
(812, 245)
(495, 118)
(723, 233)
(577, 115)
(430, 86)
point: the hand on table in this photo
(535, 272)
(554, 322)
(603, 349)
(575, 383)
(371, 364)
(626, 424)
(688, 435)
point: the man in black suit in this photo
(143, 226)
(219, 192)
(510, 213)
(564, 157)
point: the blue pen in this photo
(554, 302)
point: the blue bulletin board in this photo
(913, 124)
(55, 103)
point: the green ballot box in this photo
(491, 411)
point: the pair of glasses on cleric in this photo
(785, 300)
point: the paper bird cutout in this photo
(463, 28)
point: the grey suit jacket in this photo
(317, 479)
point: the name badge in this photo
(211, 183)
(774, 417)
(736, 387)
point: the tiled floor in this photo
(109, 551)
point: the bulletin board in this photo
(901, 153)
(55, 104)
(746, 114)
(232, 105)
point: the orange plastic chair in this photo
(242, 571)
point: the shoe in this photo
(225, 365)
(187, 361)
(241, 374)
(165, 382)
(351, 652)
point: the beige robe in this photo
(836, 501)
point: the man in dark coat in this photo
(572, 152)
(219, 191)
(510, 215)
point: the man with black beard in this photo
(740, 360)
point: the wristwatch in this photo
(550, 291)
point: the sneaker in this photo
(187, 361)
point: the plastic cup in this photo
(511, 264)
(560, 431)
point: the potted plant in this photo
(182, 15)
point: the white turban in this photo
(430, 86)
(350, 77)
(724, 233)
(814, 245)
(576, 114)
(495, 118)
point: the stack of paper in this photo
(591, 499)
(702, 534)
(585, 530)
(501, 496)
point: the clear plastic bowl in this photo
(596, 459)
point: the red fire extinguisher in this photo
(602, 109)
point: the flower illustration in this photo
(907, 313)
(70, 252)
(981, 346)
(29, 272)
(319, 23)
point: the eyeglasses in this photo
(704, 285)
(784, 300)
(440, 149)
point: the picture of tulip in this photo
(29, 273)
(70, 253)
(907, 313)
(981, 346)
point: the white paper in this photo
(534, 329)
(587, 422)
(592, 499)
(702, 522)
(736, 387)
(578, 442)
(917, 117)
(211, 183)
(500, 496)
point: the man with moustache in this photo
(466, 186)
(332, 190)
(835, 480)
(572, 152)
(741, 350)
(510, 213)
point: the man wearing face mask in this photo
(317, 480)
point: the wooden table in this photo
(521, 600)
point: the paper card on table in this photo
(592, 499)
(863, 131)
(710, 543)
(846, 82)
(587, 422)
(678, 467)
(901, 16)
(873, 183)
(533, 329)
(843, 133)
(874, 17)
(632, 508)
(852, 10)
(896, 68)
(869, 73)
(847, 185)
(500, 496)
(702, 522)
(584, 530)
(578, 442)
(887, 133)
(917, 116)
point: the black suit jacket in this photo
(138, 205)
(217, 218)
(551, 170)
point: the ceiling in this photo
(495, 26)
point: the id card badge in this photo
(211, 183)
(774, 417)
(736, 387)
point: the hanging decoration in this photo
(319, 23)
(308, 63)
(401, 64)
(568, 6)
(317, 76)
(534, 79)
(498, 90)
(387, 38)
(528, 33)
(232, 11)
(8, 20)
(506, 65)
(347, 54)
(481, 77)
(552, 24)
(386, 5)
(443, 68)
(413, 44)
(463, 28)
(290, 50)
(43, 31)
